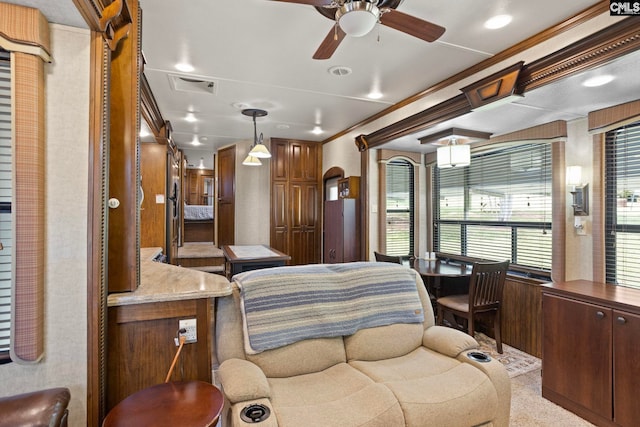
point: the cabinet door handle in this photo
(621, 320)
(600, 315)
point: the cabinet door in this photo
(304, 161)
(279, 219)
(626, 368)
(577, 353)
(332, 231)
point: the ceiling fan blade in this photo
(330, 43)
(411, 25)
(309, 2)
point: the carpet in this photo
(517, 362)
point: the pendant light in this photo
(258, 149)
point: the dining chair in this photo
(387, 258)
(485, 296)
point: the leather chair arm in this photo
(39, 408)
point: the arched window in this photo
(400, 207)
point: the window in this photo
(622, 218)
(400, 208)
(497, 208)
(5, 204)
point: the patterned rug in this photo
(517, 362)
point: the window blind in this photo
(6, 234)
(497, 208)
(400, 208)
(622, 217)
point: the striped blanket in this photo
(284, 305)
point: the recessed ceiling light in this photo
(144, 133)
(282, 126)
(184, 67)
(598, 81)
(195, 141)
(317, 130)
(190, 118)
(497, 21)
(340, 71)
(374, 94)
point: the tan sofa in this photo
(400, 374)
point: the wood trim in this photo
(604, 46)
(97, 232)
(25, 29)
(385, 155)
(382, 205)
(112, 19)
(493, 88)
(151, 112)
(599, 48)
(566, 25)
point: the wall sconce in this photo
(579, 191)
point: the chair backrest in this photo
(387, 258)
(486, 285)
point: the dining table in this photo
(433, 271)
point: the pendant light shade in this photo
(251, 161)
(260, 150)
(454, 155)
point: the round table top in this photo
(188, 403)
(440, 268)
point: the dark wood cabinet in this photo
(295, 199)
(590, 361)
(341, 231)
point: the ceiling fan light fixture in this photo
(357, 18)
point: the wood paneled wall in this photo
(522, 315)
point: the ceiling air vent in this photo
(190, 84)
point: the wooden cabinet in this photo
(590, 361)
(141, 346)
(349, 187)
(295, 199)
(341, 231)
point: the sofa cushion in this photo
(302, 357)
(338, 396)
(373, 343)
(431, 386)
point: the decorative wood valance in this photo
(24, 29)
(610, 43)
(497, 87)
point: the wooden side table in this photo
(187, 403)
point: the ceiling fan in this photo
(359, 17)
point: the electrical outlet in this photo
(190, 326)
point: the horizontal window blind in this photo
(400, 210)
(497, 208)
(6, 233)
(622, 218)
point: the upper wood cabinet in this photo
(295, 199)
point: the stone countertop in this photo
(160, 282)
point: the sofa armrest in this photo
(448, 341)
(43, 407)
(242, 380)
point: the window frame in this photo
(512, 225)
(411, 210)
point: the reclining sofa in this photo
(346, 345)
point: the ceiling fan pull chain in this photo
(335, 31)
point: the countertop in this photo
(160, 282)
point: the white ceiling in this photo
(259, 53)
